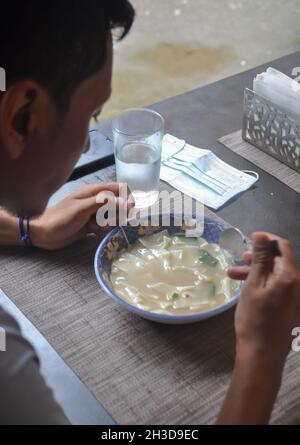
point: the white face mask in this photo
(202, 175)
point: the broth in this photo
(173, 275)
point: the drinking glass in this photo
(137, 137)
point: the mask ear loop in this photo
(251, 173)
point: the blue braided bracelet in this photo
(25, 234)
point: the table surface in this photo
(200, 117)
(203, 116)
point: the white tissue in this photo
(280, 89)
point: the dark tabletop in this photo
(206, 114)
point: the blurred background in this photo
(179, 45)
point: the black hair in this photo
(59, 43)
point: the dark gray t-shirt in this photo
(25, 398)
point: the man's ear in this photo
(19, 116)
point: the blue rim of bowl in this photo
(129, 307)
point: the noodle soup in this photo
(173, 275)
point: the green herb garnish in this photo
(175, 296)
(212, 290)
(207, 258)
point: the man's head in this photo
(58, 61)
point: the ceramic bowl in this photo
(114, 243)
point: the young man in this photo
(57, 56)
(58, 61)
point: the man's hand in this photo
(268, 310)
(74, 217)
(269, 307)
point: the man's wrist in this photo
(10, 231)
(38, 234)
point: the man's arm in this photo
(268, 311)
(25, 398)
(65, 223)
(9, 230)
(252, 392)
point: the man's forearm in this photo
(251, 394)
(9, 230)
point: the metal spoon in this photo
(235, 243)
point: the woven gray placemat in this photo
(271, 165)
(142, 372)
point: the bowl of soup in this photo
(165, 274)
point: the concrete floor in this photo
(178, 45)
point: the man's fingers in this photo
(239, 273)
(284, 248)
(116, 212)
(262, 258)
(287, 252)
(266, 259)
(247, 257)
(93, 203)
(91, 190)
(285, 265)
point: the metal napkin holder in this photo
(271, 129)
